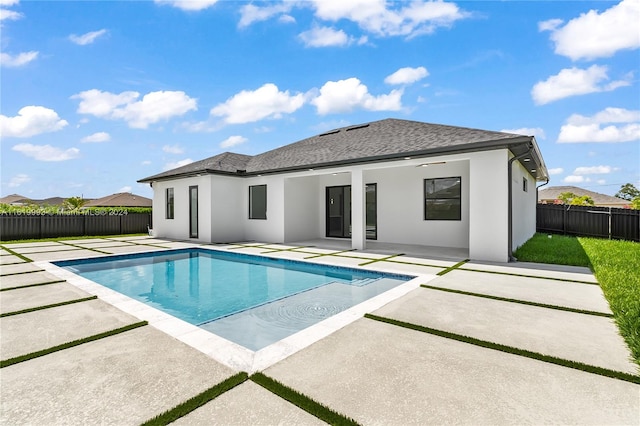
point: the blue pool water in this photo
(251, 300)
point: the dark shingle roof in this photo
(378, 140)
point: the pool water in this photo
(251, 300)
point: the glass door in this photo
(339, 211)
(193, 212)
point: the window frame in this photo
(169, 203)
(252, 214)
(440, 198)
(525, 184)
(193, 234)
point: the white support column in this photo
(358, 211)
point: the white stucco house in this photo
(394, 181)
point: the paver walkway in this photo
(371, 371)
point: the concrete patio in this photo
(368, 370)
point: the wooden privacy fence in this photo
(589, 221)
(19, 227)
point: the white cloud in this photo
(30, 121)
(579, 128)
(266, 102)
(47, 152)
(153, 107)
(6, 14)
(324, 37)
(572, 82)
(594, 170)
(597, 35)
(145, 163)
(574, 179)
(96, 138)
(189, 5)
(7, 60)
(87, 38)
(607, 115)
(374, 16)
(601, 181)
(125, 189)
(233, 141)
(18, 180)
(347, 95)
(556, 171)
(175, 149)
(527, 131)
(286, 19)
(250, 13)
(176, 164)
(407, 75)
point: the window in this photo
(442, 200)
(169, 201)
(258, 202)
(193, 212)
(525, 184)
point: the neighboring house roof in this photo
(14, 198)
(53, 201)
(376, 141)
(553, 192)
(121, 199)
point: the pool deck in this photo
(460, 347)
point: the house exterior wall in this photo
(301, 209)
(296, 204)
(488, 204)
(270, 229)
(400, 201)
(524, 205)
(178, 227)
(227, 209)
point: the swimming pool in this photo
(253, 301)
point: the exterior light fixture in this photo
(526, 160)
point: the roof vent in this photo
(357, 127)
(330, 133)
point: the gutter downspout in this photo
(510, 201)
(538, 187)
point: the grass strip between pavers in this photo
(335, 253)
(20, 273)
(302, 401)
(512, 350)
(32, 285)
(43, 352)
(522, 302)
(197, 401)
(84, 248)
(380, 260)
(529, 276)
(25, 258)
(54, 305)
(451, 268)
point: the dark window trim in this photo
(375, 237)
(459, 197)
(169, 212)
(250, 203)
(525, 184)
(191, 234)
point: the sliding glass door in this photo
(338, 219)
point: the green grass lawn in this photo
(616, 265)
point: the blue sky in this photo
(96, 95)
